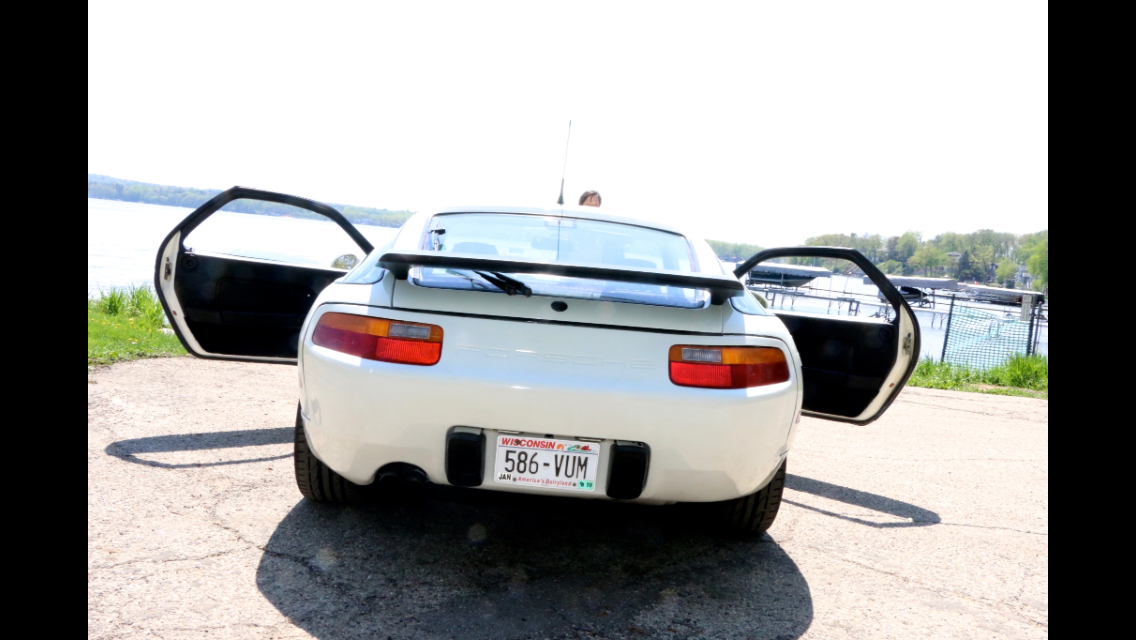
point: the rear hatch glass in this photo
(566, 240)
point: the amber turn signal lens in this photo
(727, 367)
(379, 339)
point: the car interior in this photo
(848, 351)
(238, 303)
(845, 361)
(247, 307)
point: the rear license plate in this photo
(546, 463)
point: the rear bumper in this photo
(706, 445)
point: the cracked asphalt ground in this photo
(932, 523)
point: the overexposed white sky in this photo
(762, 122)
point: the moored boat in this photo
(786, 275)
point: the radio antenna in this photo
(565, 171)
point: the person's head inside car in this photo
(591, 199)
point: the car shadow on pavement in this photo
(130, 450)
(911, 515)
(471, 565)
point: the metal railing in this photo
(983, 338)
(956, 330)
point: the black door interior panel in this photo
(247, 307)
(845, 361)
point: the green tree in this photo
(952, 243)
(1007, 271)
(907, 245)
(872, 246)
(1001, 245)
(929, 259)
(981, 258)
(891, 267)
(892, 249)
(966, 272)
(1028, 246)
(731, 252)
(1039, 263)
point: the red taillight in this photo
(379, 339)
(727, 367)
(702, 375)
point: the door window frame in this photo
(891, 294)
(166, 265)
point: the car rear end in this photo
(594, 397)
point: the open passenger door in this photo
(857, 354)
(240, 304)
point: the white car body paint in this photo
(600, 373)
(569, 382)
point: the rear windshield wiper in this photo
(511, 286)
(472, 281)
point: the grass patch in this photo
(1023, 376)
(126, 324)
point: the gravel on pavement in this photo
(931, 523)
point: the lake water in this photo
(123, 240)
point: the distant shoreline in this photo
(115, 189)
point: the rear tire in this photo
(317, 482)
(753, 515)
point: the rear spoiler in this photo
(721, 288)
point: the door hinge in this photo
(909, 344)
(169, 269)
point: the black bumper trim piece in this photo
(465, 457)
(627, 475)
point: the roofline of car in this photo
(583, 213)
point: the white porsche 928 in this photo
(558, 352)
